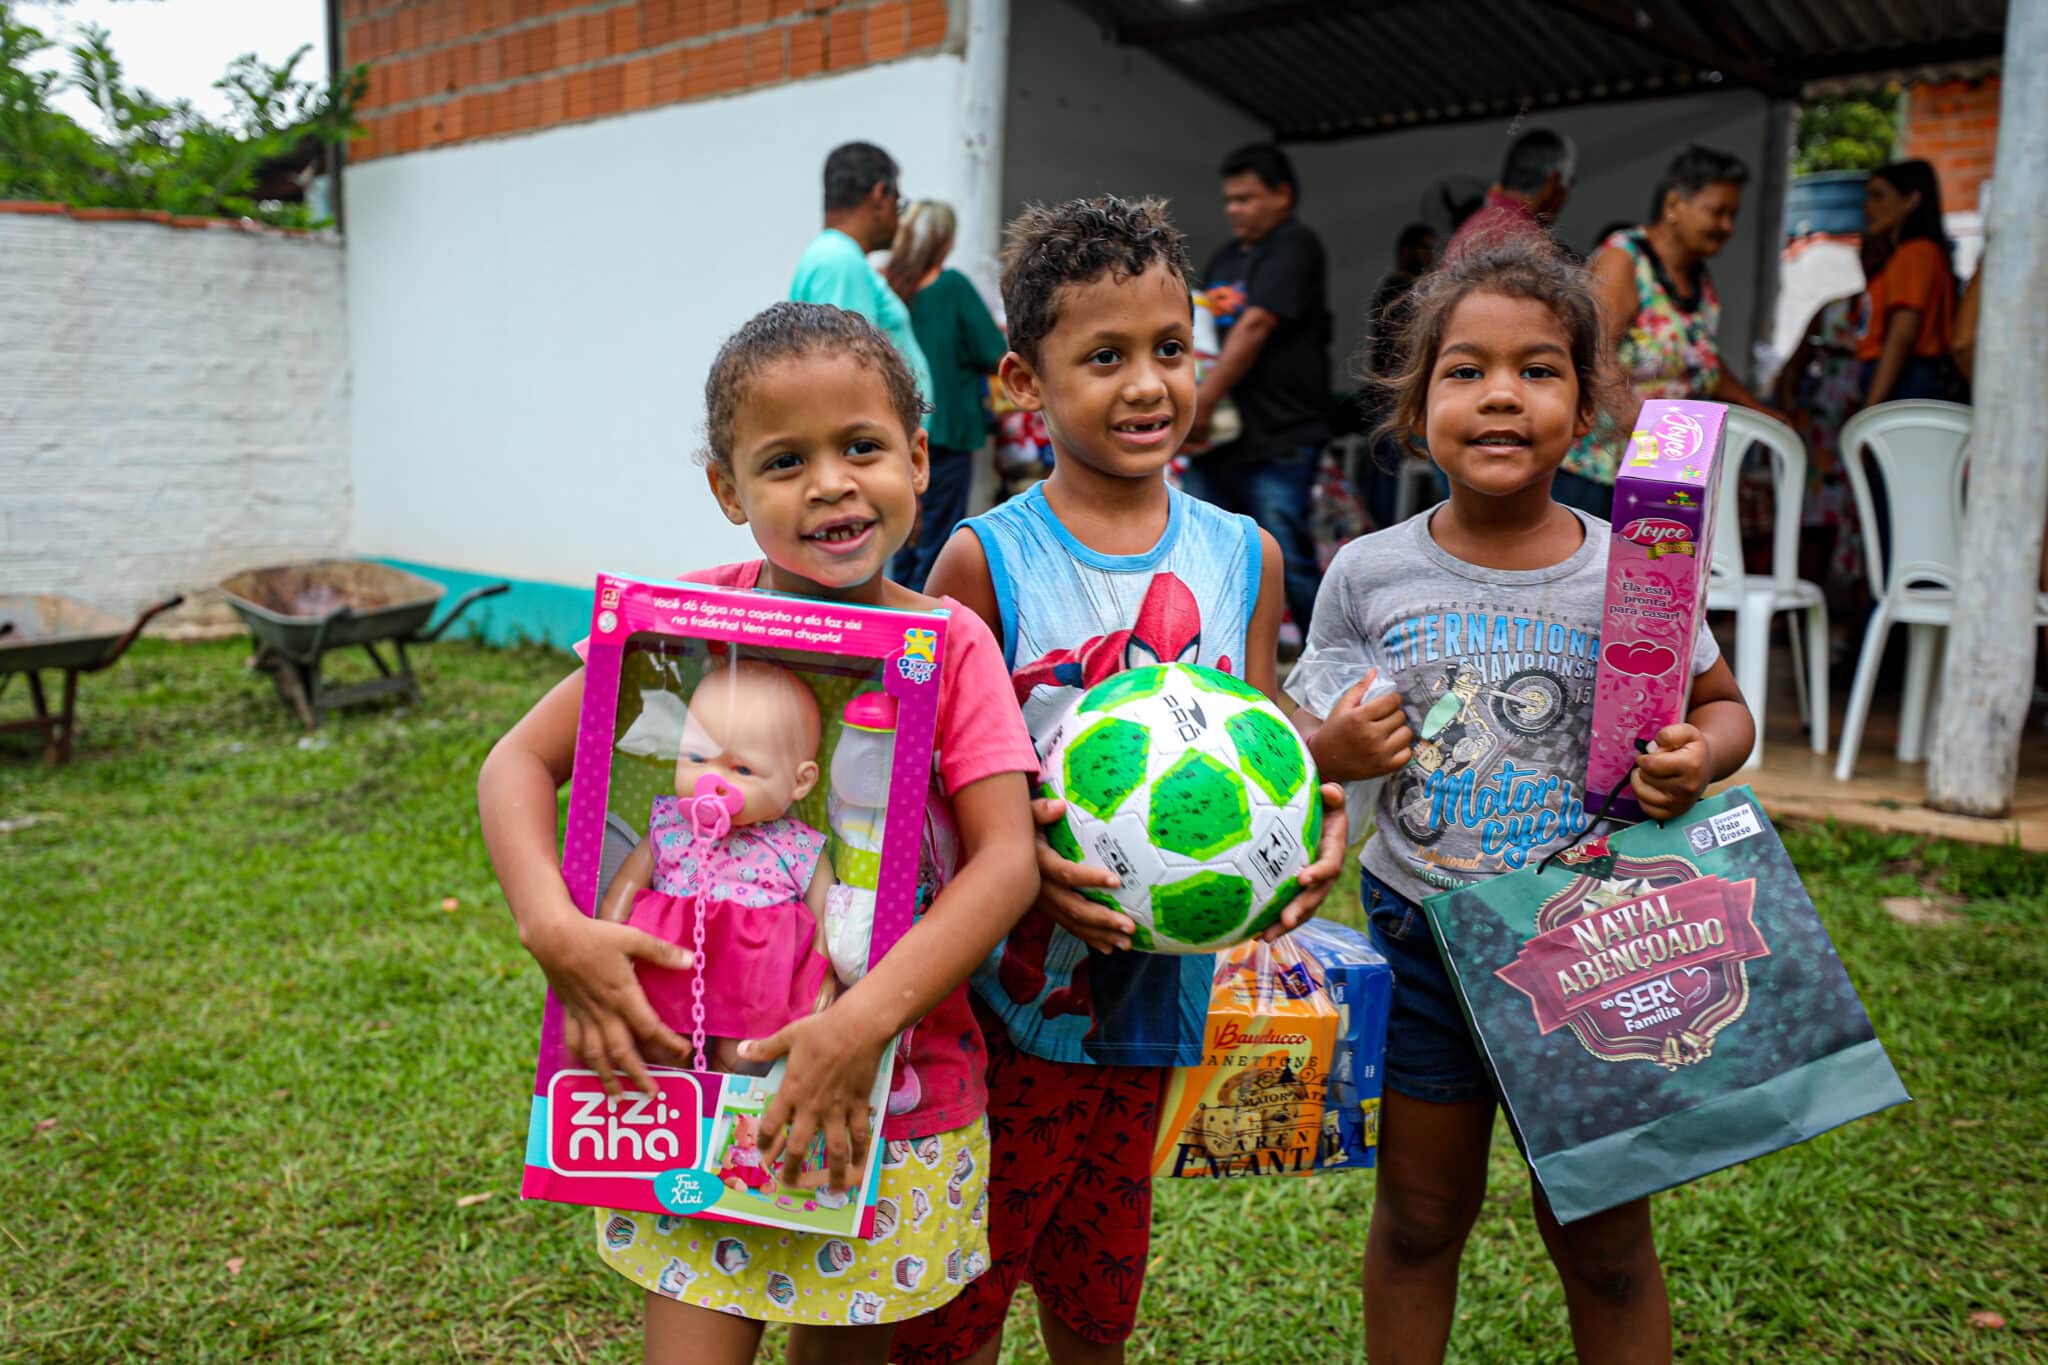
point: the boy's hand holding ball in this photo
(1673, 773)
(1319, 877)
(1061, 882)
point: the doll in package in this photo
(750, 784)
(728, 873)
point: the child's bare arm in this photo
(1712, 742)
(814, 900)
(635, 875)
(516, 800)
(1262, 670)
(833, 1056)
(588, 964)
(819, 890)
(962, 574)
(1262, 632)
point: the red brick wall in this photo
(1955, 126)
(447, 71)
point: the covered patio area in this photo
(1385, 104)
(1795, 783)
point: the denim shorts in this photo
(1430, 1055)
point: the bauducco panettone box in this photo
(1255, 1104)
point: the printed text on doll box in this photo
(810, 627)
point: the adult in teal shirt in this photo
(860, 216)
(964, 346)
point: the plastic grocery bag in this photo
(1660, 1004)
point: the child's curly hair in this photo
(1518, 268)
(1047, 248)
(786, 331)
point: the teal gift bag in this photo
(1660, 1004)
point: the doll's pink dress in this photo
(761, 963)
(744, 1165)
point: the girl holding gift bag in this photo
(816, 447)
(1484, 614)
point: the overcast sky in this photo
(179, 48)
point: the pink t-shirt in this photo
(1501, 220)
(980, 733)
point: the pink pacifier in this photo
(713, 806)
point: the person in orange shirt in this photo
(1906, 349)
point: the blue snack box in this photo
(1361, 985)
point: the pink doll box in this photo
(664, 1155)
(1657, 567)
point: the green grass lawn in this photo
(257, 1061)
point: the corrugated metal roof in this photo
(1339, 68)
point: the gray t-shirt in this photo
(1495, 670)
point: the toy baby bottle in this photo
(855, 809)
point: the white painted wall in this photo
(173, 406)
(1089, 117)
(1360, 193)
(532, 319)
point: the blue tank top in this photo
(1072, 617)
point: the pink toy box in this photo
(863, 820)
(1657, 566)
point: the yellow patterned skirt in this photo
(931, 1238)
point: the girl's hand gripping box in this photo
(1657, 568)
(750, 784)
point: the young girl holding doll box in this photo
(1502, 373)
(816, 447)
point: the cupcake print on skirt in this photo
(930, 1238)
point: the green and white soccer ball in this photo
(1196, 791)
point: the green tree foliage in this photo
(1847, 134)
(159, 155)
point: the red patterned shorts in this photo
(1070, 1201)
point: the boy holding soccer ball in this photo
(1101, 567)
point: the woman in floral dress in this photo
(1662, 313)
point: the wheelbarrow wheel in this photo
(292, 682)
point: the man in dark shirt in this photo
(1270, 295)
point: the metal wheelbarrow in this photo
(39, 632)
(298, 612)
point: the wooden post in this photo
(1988, 680)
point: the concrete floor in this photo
(1795, 782)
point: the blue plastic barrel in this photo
(1827, 201)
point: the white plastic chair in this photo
(1918, 448)
(1415, 480)
(1417, 488)
(1757, 598)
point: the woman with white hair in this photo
(1662, 313)
(963, 345)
